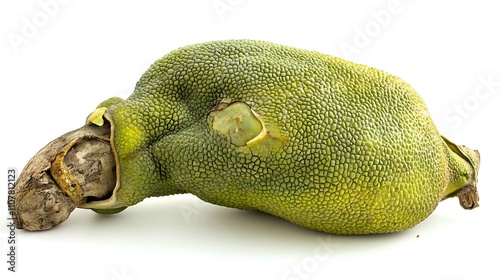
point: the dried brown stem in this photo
(86, 160)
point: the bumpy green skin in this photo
(349, 149)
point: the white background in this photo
(59, 61)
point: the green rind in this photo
(357, 151)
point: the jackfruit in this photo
(322, 142)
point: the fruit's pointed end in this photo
(466, 190)
(468, 196)
(66, 173)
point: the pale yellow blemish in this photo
(96, 117)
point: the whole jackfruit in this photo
(324, 143)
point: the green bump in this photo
(236, 122)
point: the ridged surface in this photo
(349, 150)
